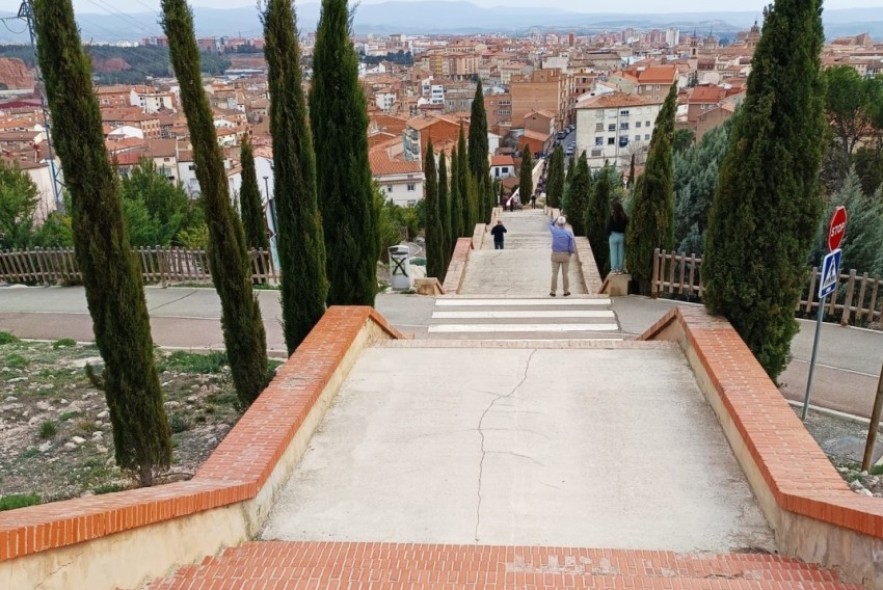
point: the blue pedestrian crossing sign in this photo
(830, 273)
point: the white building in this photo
(400, 181)
(437, 94)
(611, 127)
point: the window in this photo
(647, 137)
(596, 153)
(637, 138)
(623, 140)
(623, 126)
(611, 127)
(647, 123)
(389, 188)
(637, 125)
(412, 187)
(191, 167)
(624, 113)
(505, 169)
(611, 140)
(599, 141)
(599, 127)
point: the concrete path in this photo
(523, 268)
(532, 445)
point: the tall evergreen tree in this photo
(467, 189)
(114, 292)
(525, 177)
(597, 214)
(250, 201)
(301, 240)
(457, 208)
(652, 219)
(339, 121)
(577, 199)
(444, 215)
(555, 183)
(696, 174)
(632, 171)
(243, 328)
(478, 154)
(776, 206)
(435, 257)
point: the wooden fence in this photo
(49, 266)
(858, 300)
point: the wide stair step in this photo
(557, 318)
(301, 564)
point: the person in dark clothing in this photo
(533, 201)
(498, 231)
(616, 225)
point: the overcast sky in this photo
(589, 6)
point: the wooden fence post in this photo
(847, 303)
(654, 288)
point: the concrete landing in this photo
(523, 446)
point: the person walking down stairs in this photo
(562, 250)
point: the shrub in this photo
(64, 343)
(14, 501)
(7, 338)
(48, 429)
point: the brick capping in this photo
(478, 235)
(588, 268)
(454, 275)
(796, 471)
(236, 471)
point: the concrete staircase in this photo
(280, 565)
(501, 318)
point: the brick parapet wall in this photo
(457, 266)
(814, 513)
(237, 471)
(588, 268)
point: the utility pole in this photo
(26, 13)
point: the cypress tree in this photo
(456, 201)
(339, 121)
(301, 237)
(555, 183)
(478, 154)
(597, 215)
(243, 328)
(525, 178)
(578, 193)
(776, 207)
(434, 241)
(467, 191)
(444, 215)
(250, 201)
(632, 171)
(652, 220)
(114, 292)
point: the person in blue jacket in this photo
(562, 250)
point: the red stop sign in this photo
(837, 228)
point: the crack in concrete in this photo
(481, 434)
(47, 577)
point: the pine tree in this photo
(577, 200)
(301, 240)
(444, 215)
(478, 154)
(467, 190)
(776, 207)
(597, 216)
(114, 292)
(339, 121)
(250, 201)
(525, 177)
(555, 184)
(456, 200)
(696, 174)
(435, 258)
(652, 220)
(243, 328)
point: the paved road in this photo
(845, 379)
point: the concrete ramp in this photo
(583, 443)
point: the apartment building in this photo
(611, 127)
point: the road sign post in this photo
(827, 285)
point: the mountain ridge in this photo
(461, 17)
